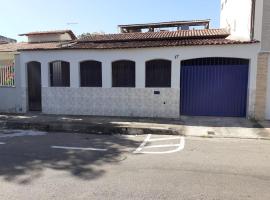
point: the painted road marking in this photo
(2, 143)
(162, 139)
(21, 133)
(78, 148)
(143, 144)
(161, 146)
(180, 146)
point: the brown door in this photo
(34, 86)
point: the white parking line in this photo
(2, 143)
(179, 146)
(162, 139)
(161, 146)
(143, 144)
(22, 133)
(78, 148)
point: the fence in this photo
(7, 76)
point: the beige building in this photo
(250, 20)
(6, 55)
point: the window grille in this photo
(7, 75)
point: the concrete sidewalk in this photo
(186, 126)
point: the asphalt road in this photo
(35, 165)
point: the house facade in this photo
(252, 22)
(140, 74)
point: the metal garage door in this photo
(214, 87)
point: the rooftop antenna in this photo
(72, 23)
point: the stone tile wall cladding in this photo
(261, 86)
(133, 102)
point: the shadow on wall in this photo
(24, 160)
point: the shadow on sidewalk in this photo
(122, 121)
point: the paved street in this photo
(40, 165)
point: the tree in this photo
(91, 34)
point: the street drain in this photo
(211, 133)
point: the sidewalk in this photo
(186, 126)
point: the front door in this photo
(34, 86)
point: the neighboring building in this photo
(5, 40)
(6, 57)
(50, 36)
(248, 20)
(162, 26)
(158, 73)
(11, 93)
(7, 72)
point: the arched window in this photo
(158, 73)
(60, 74)
(123, 73)
(91, 73)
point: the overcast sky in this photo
(21, 16)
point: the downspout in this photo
(252, 21)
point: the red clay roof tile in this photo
(205, 33)
(134, 40)
(160, 43)
(10, 47)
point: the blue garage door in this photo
(214, 87)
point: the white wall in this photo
(236, 17)
(11, 98)
(140, 56)
(49, 37)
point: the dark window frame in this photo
(63, 74)
(90, 78)
(121, 78)
(155, 76)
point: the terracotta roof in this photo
(160, 43)
(205, 33)
(119, 45)
(70, 32)
(3, 42)
(6, 40)
(29, 46)
(134, 40)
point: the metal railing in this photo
(7, 76)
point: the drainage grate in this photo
(211, 133)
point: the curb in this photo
(106, 129)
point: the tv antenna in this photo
(72, 23)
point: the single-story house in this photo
(195, 72)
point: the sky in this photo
(22, 16)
